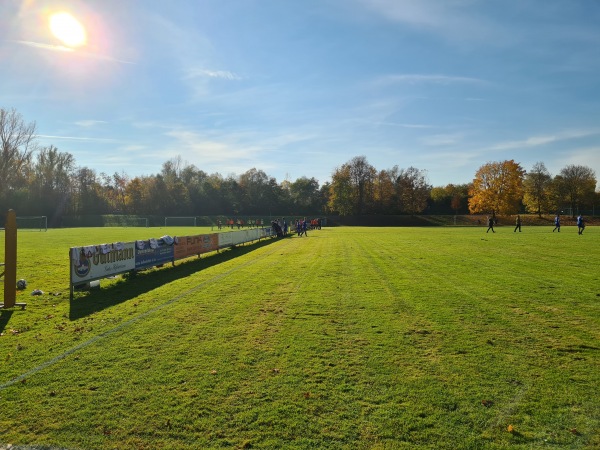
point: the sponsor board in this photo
(93, 262)
(152, 255)
(194, 245)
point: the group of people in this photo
(580, 224)
(302, 227)
(280, 226)
(493, 221)
(239, 223)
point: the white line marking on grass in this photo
(125, 324)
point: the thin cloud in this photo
(89, 123)
(76, 138)
(132, 148)
(206, 73)
(589, 156)
(54, 48)
(455, 20)
(206, 149)
(61, 48)
(442, 140)
(427, 78)
(412, 125)
(536, 141)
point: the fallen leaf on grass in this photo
(510, 429)
(213, 372)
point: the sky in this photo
(298, 88)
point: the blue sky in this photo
(297, 88)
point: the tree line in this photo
(37, 180)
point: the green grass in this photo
(350, 338)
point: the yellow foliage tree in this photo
(497, 188)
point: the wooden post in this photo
(10, 266)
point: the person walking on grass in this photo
(518, 224)
(304, 227)
(556, 223)
(490, 225)
(580, 224)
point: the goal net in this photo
(35, 223)
(180, 221)
(124, 221)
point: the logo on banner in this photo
(83, 266)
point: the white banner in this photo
(101, 261)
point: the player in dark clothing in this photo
(518, 224)
(490, 224)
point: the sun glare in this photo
(67, 29)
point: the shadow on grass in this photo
(84, 304)
(4, 319)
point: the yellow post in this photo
(10, 255)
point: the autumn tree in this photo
(450, 198)
(497, 187)
(537, 187)
(576, 186)
(362, 176)
(136, 195)
(412, 190)
(17, 142)
(51, 181)
(341, 192)
(352, 187)
(88, 195)
(385, 190)
(305, 195)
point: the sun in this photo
(67, 29)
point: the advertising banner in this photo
(265, 232)
(100, 261)
(194, 245)
(225, 239)
(153, 252)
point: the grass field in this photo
(399, 338)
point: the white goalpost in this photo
(180, 221)
(38, 223)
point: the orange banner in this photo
(194, 245)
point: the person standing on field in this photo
(518, 224)
(556, 223)
(490, 225)
(580, 224)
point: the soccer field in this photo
(348, 338)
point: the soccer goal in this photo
(116, 220)
(180, 221)
(35, 223)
